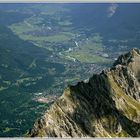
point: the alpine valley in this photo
(47, 48)
(108, 105)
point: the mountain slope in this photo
(22, 74)
(108, 105)
(102, 17)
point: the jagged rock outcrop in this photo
(106, 106)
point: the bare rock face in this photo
(107, 106)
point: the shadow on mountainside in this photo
(94, 103)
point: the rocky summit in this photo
(108, 105)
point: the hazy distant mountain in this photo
(119, 20)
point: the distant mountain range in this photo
(108, 105)
(113, 20)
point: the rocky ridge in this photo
(108, 105)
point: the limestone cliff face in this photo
(108, 105)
